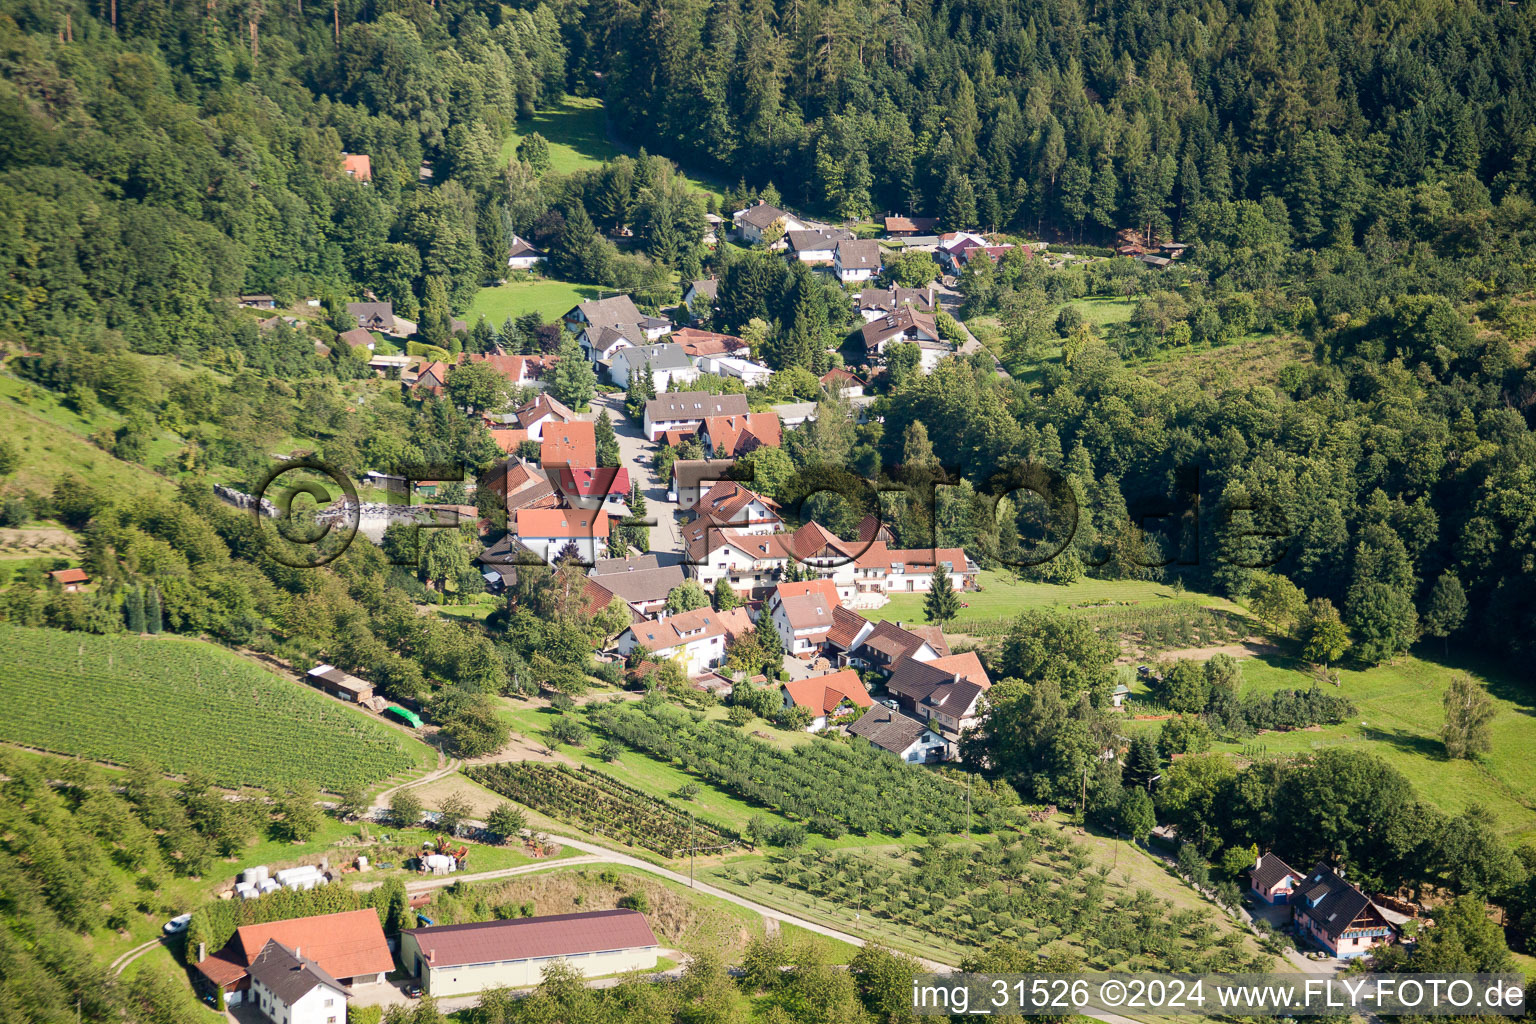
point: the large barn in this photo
(462, 959)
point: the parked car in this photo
(177, 924)
(413, 991)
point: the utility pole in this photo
(967, 806)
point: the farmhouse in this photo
(881, 569)
(827, 697)
(339, 684)
(943, 692)
(462, 959)
(1338, 916)
(291, 988)
(698, 638)
(687, 410)
(754, 562)
(907, 738)
(349, 947)
(906, 227)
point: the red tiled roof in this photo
(508, 438)
(563, 523)
(700, 624)
(70, 575)
(594, 482)
(573, 444)
(845, 377)
(739, 435)
(846, 626)
(963, 666)
(725, 499)
(357, 166)
(344, 945)
(706, 343)
(823, 694)
(533, 937)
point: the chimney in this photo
(298, 953)
(202, 951)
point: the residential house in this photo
(700, 344)
(755, 220)
(802, 614)
(568, 444)
(906, 227)
(856, 260)
(698, 638)
(842, 383)
(849, 630)
(687, 410)
(373, 316)
(1272, 879)
(70, 580)
(905, 325)
(348, 946)
(544, 410)
(692, 478)
(339, 684)
(840, 694)
(755, 562)
(737, 435)
(794, 414)
(954, 247)
(815, 246)
(668, 364)
(521, 485)
(1154, 260)
(257, 302)
(944, 692)
(888, 644)
(290, 988)
(1338, 916)
(707, 291)
(432, 380)
(552, 533)
(523, 255)
(871, 528)
(357, 166)
(907, 738)
(730, 505)
(615, 310)
(749, 373)
(600, 344)
(358, 337)
(520, 371)
(643, 582)
(464, 959)
(881, 569)
(879, 303)
(596, 487)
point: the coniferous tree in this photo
(152, 616)
(942, 603)
(133, 610)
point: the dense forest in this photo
(1079, 115)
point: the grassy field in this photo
(54, 442)
(1003, 596)
(549, 299)
(578, 138)
(184, 705)
(1399, 720)
(1104, 310)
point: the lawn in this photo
(186, 705)
(578, 138)
(1003, 596)
(1102, 311)
(550, 299)
(1399, 720)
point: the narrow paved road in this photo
(635, 453)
